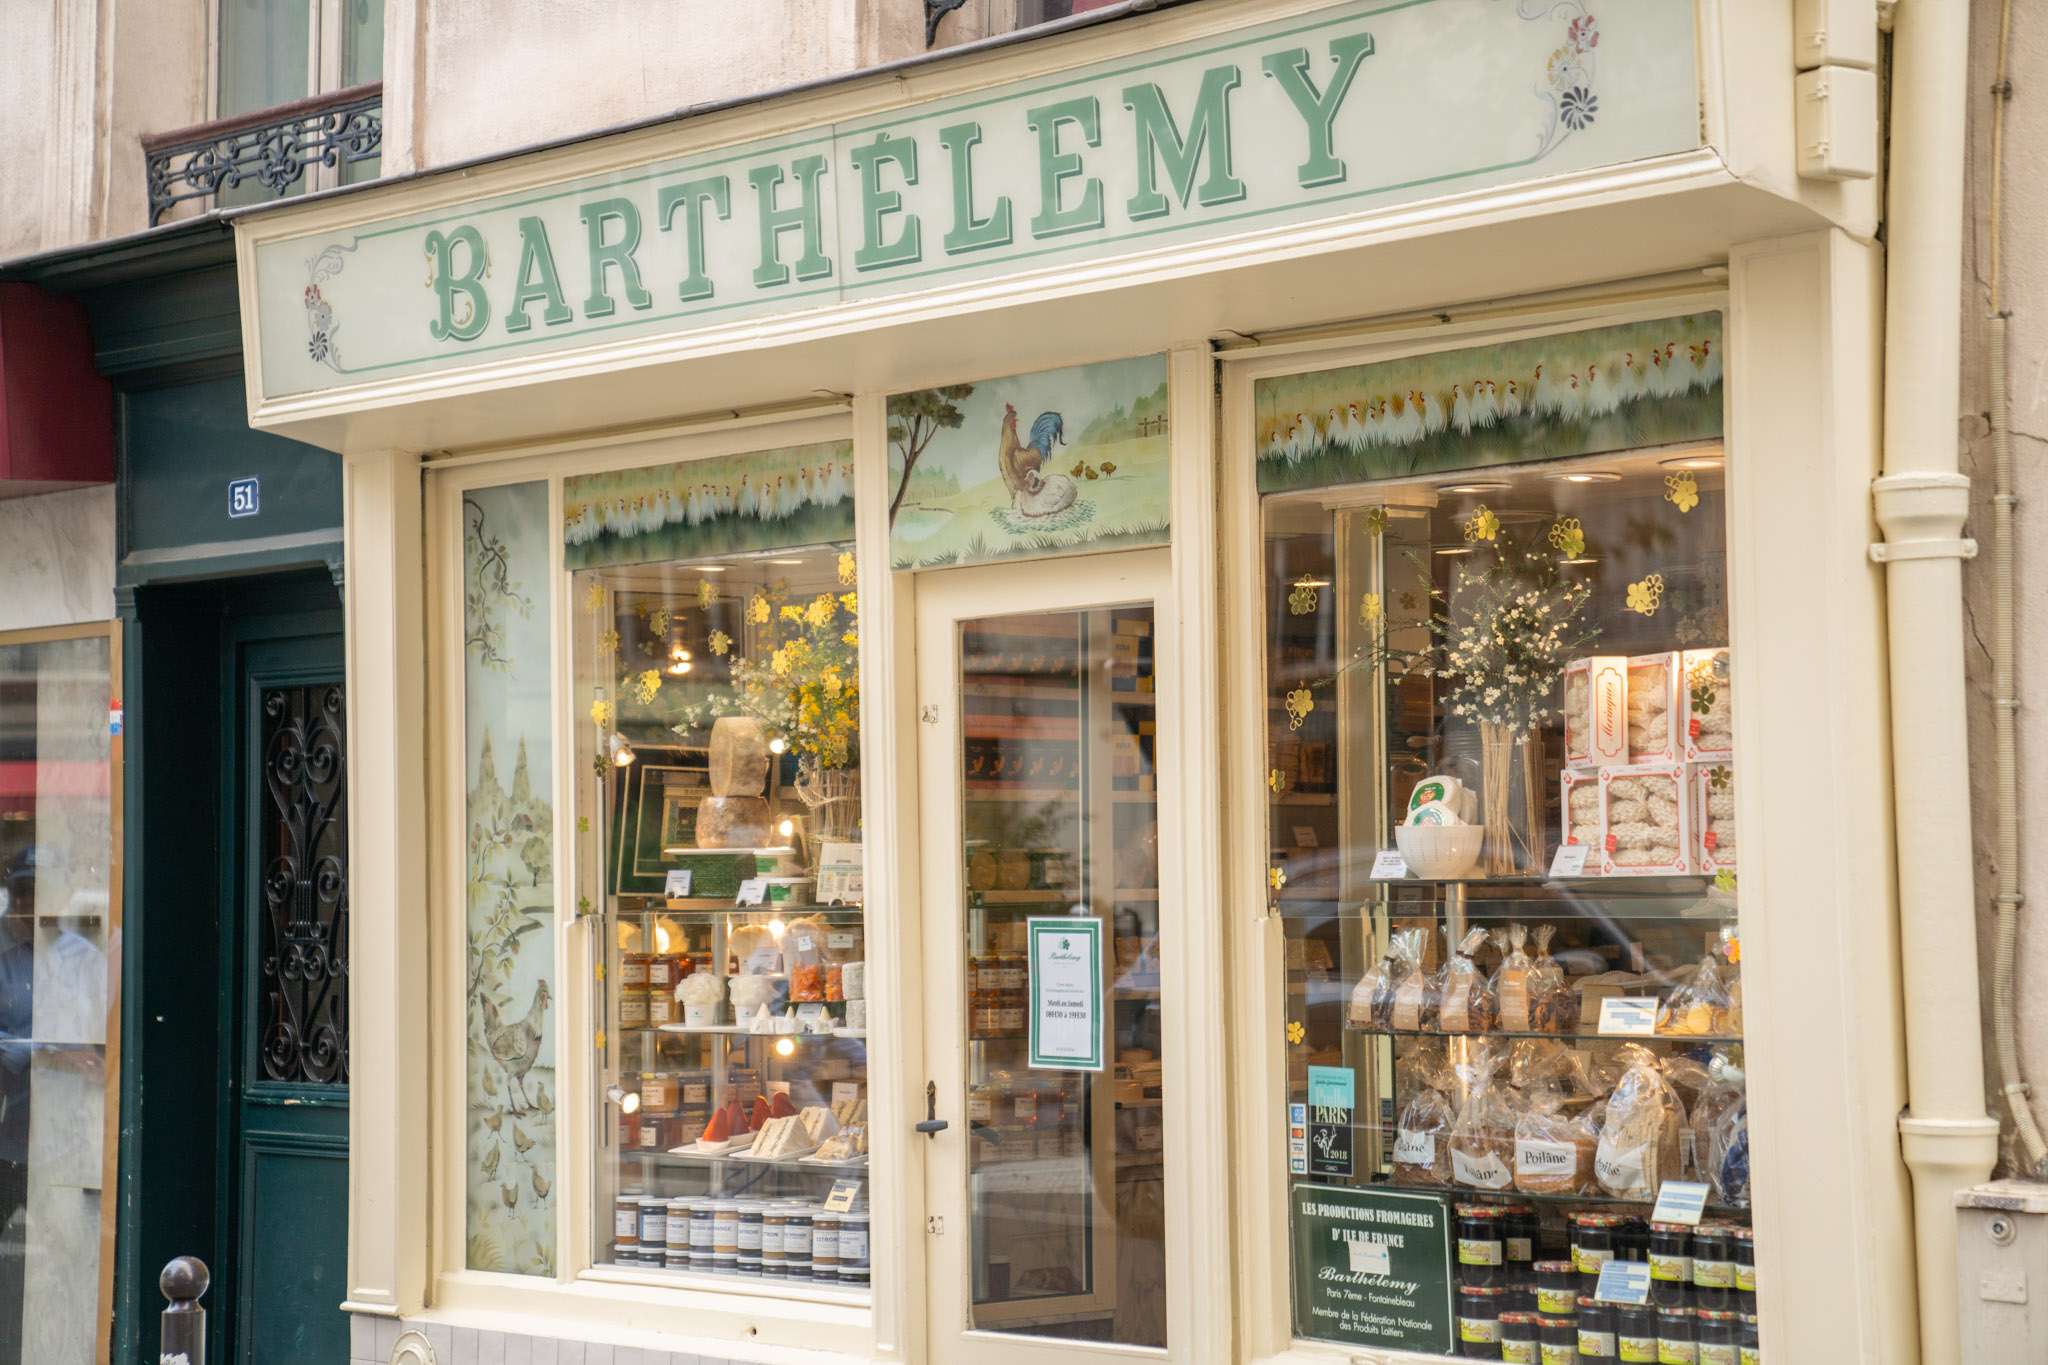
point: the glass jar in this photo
(853, 1248)
(653, 1212)
(725, 1236)
(1557, 1288)
(626, 1218)
(1593, 1241)
(1751, 1341)
(703, 1213)
(1481, 1245)
(1518, 1338)
(1596, 1329)
(1744, 1240)
(1557, 1339)
(1479, 1308)
(749, 1228)
(1670, 1264)
(1713, 1266)
(773, 1219)
(1720, 1338)
(1678, 1341)
(1635, 1334)
(825, 1246)
(797, 1236)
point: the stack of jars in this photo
(996, 995)
(1496, 1275)
(787, 1239)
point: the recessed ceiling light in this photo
(1693, 462)
(1454, 549)
(711, 568)
(1585, 476)
(1495, 487)
(1582, 559)
(785, 561)
(1312, 582)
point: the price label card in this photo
(753, 891)
(844, 1192)
(845, 1092)
(839, 943)
(678, 883)
(1628, 1016)
(1680, 1201)
(1624, 1282)
(1389, 865)
(1305, 836)
(1570, 860)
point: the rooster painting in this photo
(516, 1046)
(1033, 492)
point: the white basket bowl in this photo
(1439, 852)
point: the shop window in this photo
(279, 52)
(59, 915)
(715, 644)
(1501, 784)
(959, 21)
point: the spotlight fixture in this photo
(621, 752)
(776, 928)
(785, 1047)
(678, 660)
(778, 745)
(627, 1100)
(786, 828)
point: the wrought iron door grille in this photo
(272, 147)
(304, 1009)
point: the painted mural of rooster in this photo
(1033, 492)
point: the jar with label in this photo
(664, 970)
(1752, 1348)
(657, 1093)
(1635, 1334)
(703, 1213)
(625, 1253)
(661, 1008)
(653, 1222)
(1479, 1308)
(633, 971)
(1019, 1131)
(825, 1246)
(725, 1236)
(1481, 1245)
(1670, 1264)
(772, 1220)
(796, 1240)
(984, 1107)
(1010, 1008)
(1744, 1240)
(678, 1224)
(853, 1248)
(1518, 1338)
(626, 1218)
(1521, 1225)
(750, 1227)
(1557, 1288)
(1593, 1241)
(1596, 1329)
(1678, 1341)
(1557, 1339)
(1713, 1266)
(632, 1007)
(1720, 1338)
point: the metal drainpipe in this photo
(1947, 1139)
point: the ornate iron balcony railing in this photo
(271, 147)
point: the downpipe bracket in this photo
(1922, 517)
(1894, 551)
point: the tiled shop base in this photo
(373, 1341)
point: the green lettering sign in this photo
(537, 280)
(1318, 108)
(1159, 139)
(464, 310)
(969, 233)
(806, 217)
(877, 203)
(617, 255)
(691, 197)
(1056, 167)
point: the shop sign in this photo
(1356, 107)
(1066, 993)
(1372, 1267)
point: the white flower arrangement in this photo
(1503, 640)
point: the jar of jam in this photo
(664, 970)
(1670, 1264)
(1518, 1338)
(1557, 1288)
(661, 1008)
(626, 1218)
(1720, 1338)
(1479, 1308)
(725, 1236)
(796, 1240)
(1744, 1240)
(1557, 1339)
(1678, 1340)
(1713, 1266)
(1635, 1333)
(633, 971)
(1751, 1343)
(653, 1212)
(632, 1007)
(1521, 1226)
(1482, 1247)
(853, 1247)
(658, 1094)
(772, 1220)
(1597, 1340)
(825, 1246)
(703, 1213)
(1593, 1241)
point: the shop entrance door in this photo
(1044, 806)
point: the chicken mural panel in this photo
(1058, 462)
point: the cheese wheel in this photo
(739, 757)
(732, 822)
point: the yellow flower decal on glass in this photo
(757, 610)
(848, 571)
(706, 594)
(1646, 595)
(1369, 609)
(1375, 520)
(851, 639)
(1568, 537)
(600, 1040)
(1276, 877)
(1296, 1031)
(1682, 491)
(658, 621)
(593, 595)
(601, 714)
(822, 609)
(720, 643)
(644, 686)
(1724, 880)
(1299, 704)
(1481, 525)
(1302, 600)
(608, 643)
(1276, 781)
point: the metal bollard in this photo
(183, 1339)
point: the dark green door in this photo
(287, 791)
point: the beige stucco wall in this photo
(2025, 289)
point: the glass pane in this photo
(719, 703)
(56, 858)
(1066, 1173)
(264, 45)
(362, 41)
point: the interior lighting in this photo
(776, 927)
(786, 828)
(621, 752)
(1494, 487)
(1585, 476)
(778, 745)
(1454, 549)
(627, 1100)
(1700, 461)
(785, 1047)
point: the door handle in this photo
(933, 1125)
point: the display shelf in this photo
(1704, 1039)
(708, 912)
(741, 1160)
(1462, 1194)
(1004, 791)
(1050, 895)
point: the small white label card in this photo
(1570, 860)
(1370, 1258)
(845, 1092)
(753, 891)
(1680, 1201)
(1388, 864)
(1305, 836)
(678, 883)
(1628, 1016)
(844, 1192)
(1624, 1282)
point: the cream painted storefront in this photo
(546, 375)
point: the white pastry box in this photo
(1580, 810)
(1656, 726)
(1713, 791)
(1646, 816)
(1595, 716)
(1709, 702)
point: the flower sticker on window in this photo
(1481, 525)
(1276, 877)
(645, 686)
(1375, 520)
(720, 643)
(593, 596)
(1296, 1031)
(848, 570)
(1646, 595)
(1299, 704)
(1568, 537)
(1276, 781)
(1724, 880)
(601, 714)
(608, 643)
(758, 610)
(706, 594)
(1302, 600)
(1682, 491)
(1369, 609)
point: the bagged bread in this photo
(1422, 1151)
(754, 951)
(1717, 1119)
(1372, 999)
(1510, 984)
(1639, 1147)
(803, 949)
(1539, 1063)
(1482, 1140)
(1414, 996)
(1553, 1146)
(1700, 1004)
(1553, 1006)
(1466, 1003)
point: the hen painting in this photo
(1033, 492)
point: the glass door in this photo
(1039, 758)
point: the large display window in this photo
(1502, 850)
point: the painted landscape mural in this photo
(511, 1095)
(761, 500)
(1035, 464)
(1545, 398)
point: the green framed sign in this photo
(1372, 1266)
(1065, 957)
